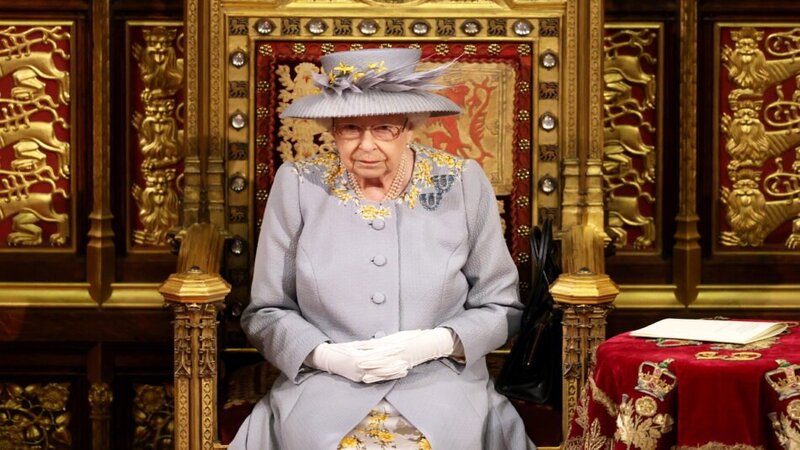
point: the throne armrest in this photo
(196, 294)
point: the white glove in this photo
(356, 364)
(416, 346)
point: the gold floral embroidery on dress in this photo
(371, 212)
(429, 165)
(384, 429)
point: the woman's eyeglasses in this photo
(381, 132)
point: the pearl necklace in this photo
(394, 189)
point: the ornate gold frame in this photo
(578, 106)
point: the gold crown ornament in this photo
(656, 379)
(784, 379)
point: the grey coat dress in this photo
(332, 267)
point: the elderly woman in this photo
(382, 278)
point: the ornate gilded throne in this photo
(529, 83)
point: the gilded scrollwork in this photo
(629, 161)
(759, 131)
(34, 416)
(32, 128)
(153, 415)
(160, 135)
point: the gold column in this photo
(686, 253)
(585, 294)
(195, 297)
(195, 131)
(204, 195)
(100, 249)
(100, 398)
(582, 165)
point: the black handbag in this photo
(532, 370)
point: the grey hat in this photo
(371, 83)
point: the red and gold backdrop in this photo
(758, 168)
(37, 150)
(155, 142)
(491, 82)
(506, 78)
(633, 149)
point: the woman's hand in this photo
(416, 346)
(368, 365)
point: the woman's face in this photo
(371, 147)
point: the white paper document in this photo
(728, 331)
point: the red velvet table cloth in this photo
(668, 393)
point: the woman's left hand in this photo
(416, 346)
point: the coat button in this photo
(378, 298)
(378, 224)
(379, 260)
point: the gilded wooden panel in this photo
(34, 416)
(155, 134)
(758, 155)
(37, 208)
(632, 134)
(153, 408)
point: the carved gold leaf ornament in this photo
(34, 156)
(629, 163)
(160, 135)
(34, 416)
(153, 416)
(100, 398)
(758, 202)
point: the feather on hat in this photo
(371, 83)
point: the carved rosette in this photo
(35, 137)
(153, 415)
(158, 132)
(100, 398)
(759, 157)
(631, 152)
(34, 416)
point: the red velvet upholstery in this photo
(657, 394)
